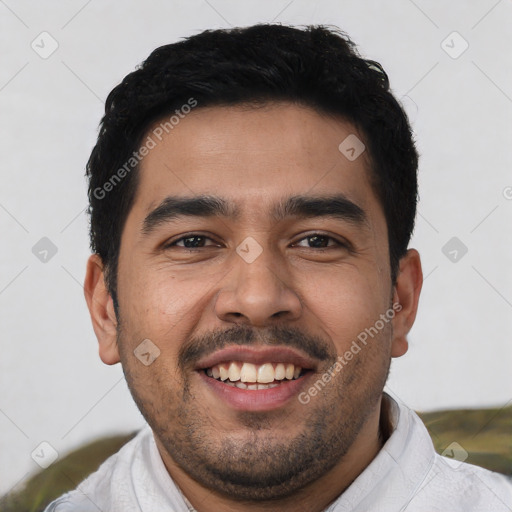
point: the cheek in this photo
(164, 308)
(344, 302)
(158, 298)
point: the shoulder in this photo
(458, 486)
(433, 483)
(95, 492)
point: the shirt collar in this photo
(389, 482)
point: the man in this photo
(252, 196)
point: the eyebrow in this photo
(337, 206)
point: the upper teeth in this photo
(248, 372)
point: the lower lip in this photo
(256, 399)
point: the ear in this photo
(101, 309)
(405, 300)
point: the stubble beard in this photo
(256, 464)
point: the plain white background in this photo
(54, 388)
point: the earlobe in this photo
(406, 295)
(101, 309)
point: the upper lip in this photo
(257, 355)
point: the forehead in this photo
(254, 157)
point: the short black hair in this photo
(315, 66)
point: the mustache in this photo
(202, 346)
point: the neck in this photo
(313, 498)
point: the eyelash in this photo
(338, 243)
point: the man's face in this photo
(269, 286)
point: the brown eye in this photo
(192, 241)
(319, 241)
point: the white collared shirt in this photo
(407, 475)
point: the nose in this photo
(257, 293)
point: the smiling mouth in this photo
(244, 375)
